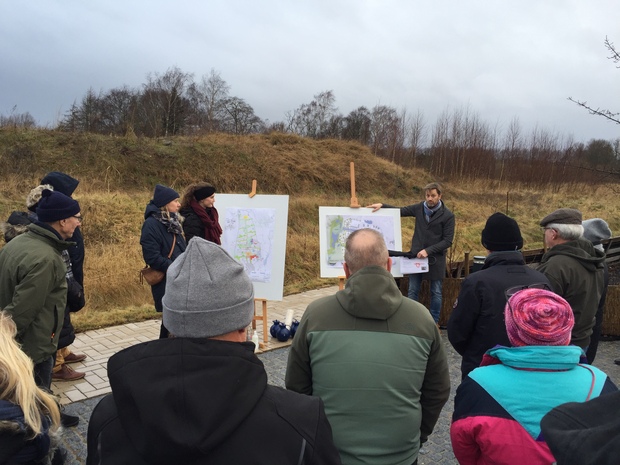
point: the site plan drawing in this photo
(337, 223)
(254, 234)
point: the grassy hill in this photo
(117, 176)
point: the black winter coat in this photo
(477, 321)
(156, 243)
(203, 401)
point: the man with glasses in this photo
(574, 268)
(65, 184)
(33, 286)
(477, 320)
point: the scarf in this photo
(210, 220)
(428, 212)
(170, 221)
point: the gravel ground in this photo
(438, 450)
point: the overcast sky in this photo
(500, 59)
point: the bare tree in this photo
(315, 118)
(164, 101)
(240, 117)
(605, 113)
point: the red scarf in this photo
(213, 230)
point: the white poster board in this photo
(254, 234)
(335, 225)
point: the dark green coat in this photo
(33, 289)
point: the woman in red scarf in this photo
(201, 217)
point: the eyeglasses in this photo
(79, 218)
(513, 290)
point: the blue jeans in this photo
(415, 281)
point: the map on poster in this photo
(254, 234)
(248, 237)
(337, 223)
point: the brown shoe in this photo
(66, 373)
(74, 358)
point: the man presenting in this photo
(374, 357)
(33, 287)
(433, 235)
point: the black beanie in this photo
(55, 206)
(204, 192)
(501, 233)
(164, 195)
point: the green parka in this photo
(33, 289)
(575, 271)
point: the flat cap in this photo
(562, 216)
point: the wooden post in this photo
(253, 193)
(354, 202)
(466, 263)
(341, 281)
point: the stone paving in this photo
(81, 400)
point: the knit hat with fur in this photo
(163, 195)
(208, 293)
(35, 195)
(537, 317)
(55, 206)
(501, 233)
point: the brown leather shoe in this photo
(74, 358)
(66, 373)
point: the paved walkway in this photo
(82, 396)
(99, 345)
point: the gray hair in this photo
(365, 247)
(569, 232)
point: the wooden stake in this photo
(253, 193)
(354, 203)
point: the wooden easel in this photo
(263, 315)
(354, 204)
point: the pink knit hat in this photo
(537, 317)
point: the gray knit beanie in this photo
(596, 230)
(208, 293)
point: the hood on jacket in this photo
(581, 250)
(61, 182)
(16, 224)
(180, 398)
(150, 209)
(371, 293)
(540, 357)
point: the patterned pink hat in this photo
(537, 317)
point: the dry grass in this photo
(118, 174)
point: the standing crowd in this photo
(367, 374)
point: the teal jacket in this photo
(33, 289)
(377, 360)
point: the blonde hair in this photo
(17, 383)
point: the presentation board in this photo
(335, 225)
(254, 233)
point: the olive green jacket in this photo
(33, 289)
(377, 360)
(575, 271)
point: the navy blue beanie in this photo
(55, 206)
(164, 195)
